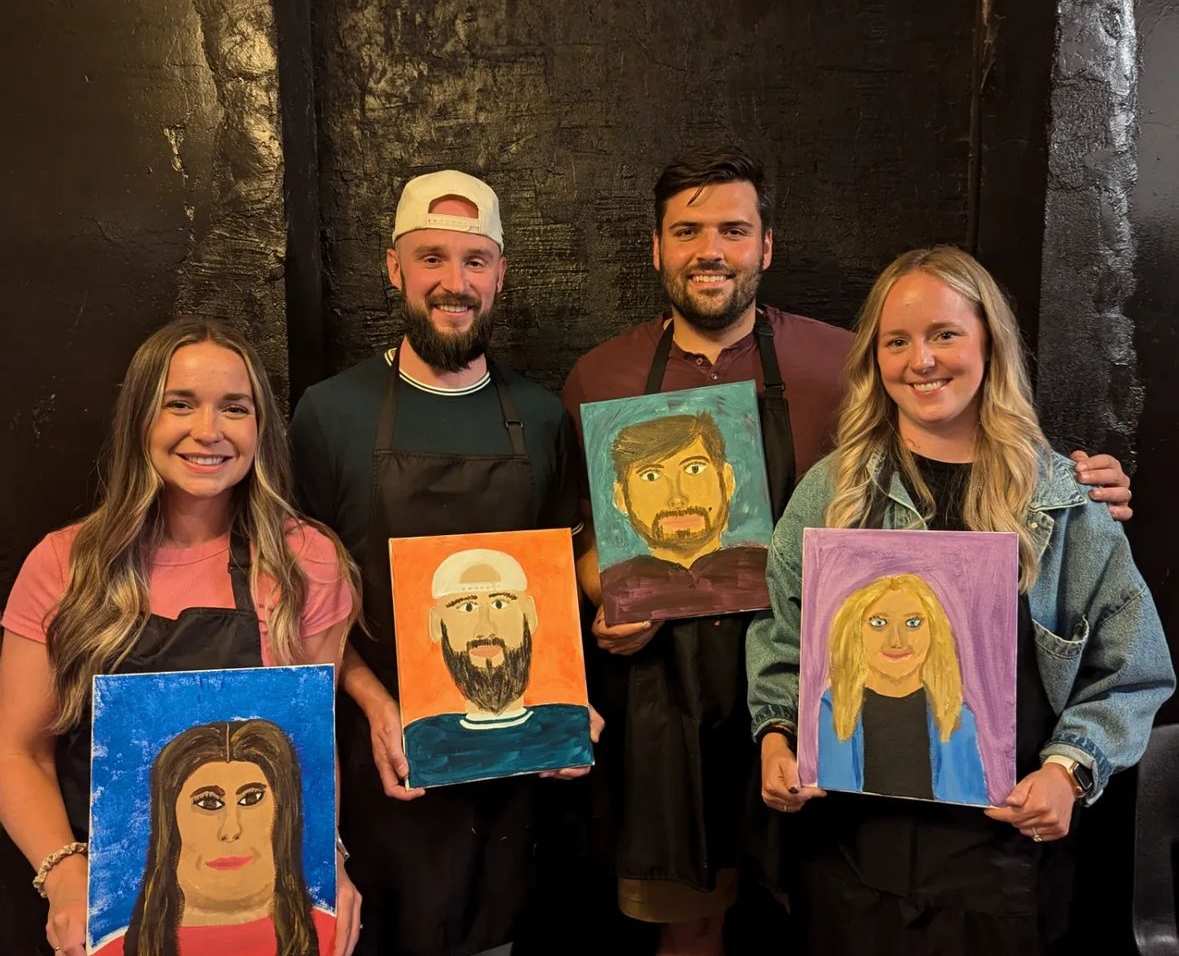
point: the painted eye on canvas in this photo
(208, 800)
(914, 622)
(650, 474)
(695, 467)
(251, 797)
(878, 621)
(499, 604)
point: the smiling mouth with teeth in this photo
(206, 459)
(929, 386)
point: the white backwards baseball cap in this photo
(413, 208)
(476, 571)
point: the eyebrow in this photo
(212, 788)
(462, 598)
(250, 786)
(442, 251)
(227, 397)
(932, 327)
(506, 594)
(727, 224)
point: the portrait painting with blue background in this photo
(734, 409)
(135, 715)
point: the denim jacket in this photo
(1100, 646)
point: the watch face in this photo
(1084, 777)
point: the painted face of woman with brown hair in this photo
(225, 818)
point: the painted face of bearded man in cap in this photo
(483, 618)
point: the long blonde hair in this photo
(106, 602)
(1009, 441)
(940, 672)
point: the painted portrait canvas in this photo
(489, 657)
(908, 663)
(212, 813)
(681, 503)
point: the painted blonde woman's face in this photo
(225, 817)
(895, 630)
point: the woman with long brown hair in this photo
(193, 559)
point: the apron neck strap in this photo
(239, 571)
(771, 373)
(659, 362)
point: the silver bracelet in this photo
(52, 860)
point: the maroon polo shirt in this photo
(810, 356)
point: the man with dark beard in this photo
(484, 619)
(683, 717)
(681, 686)
(431, 437)
(681, 517)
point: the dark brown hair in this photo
(656, 439)
(706, 166)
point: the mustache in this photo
(484, 641)
(682, 513)
(462, 301)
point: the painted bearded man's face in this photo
(679, 503)
(486, 636)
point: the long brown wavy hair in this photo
(106, 602)
(159, 907)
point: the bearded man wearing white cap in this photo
(430, 437)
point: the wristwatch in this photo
(1081, 776)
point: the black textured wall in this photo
(142, 178)
(862, 110)
(1154, 309)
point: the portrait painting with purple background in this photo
(975, 577)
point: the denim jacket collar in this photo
(1055, 490)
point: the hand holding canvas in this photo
(347, 910)
(66, 888)
(384, 718)
(572, 773)
(1041, 805)
(1112, 483)
(780, 787)
(625, 639)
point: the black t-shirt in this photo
(896, 744)
(335, 425)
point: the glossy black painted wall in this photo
(862, 110)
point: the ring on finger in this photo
(1036, 836)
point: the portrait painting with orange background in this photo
(558, 667)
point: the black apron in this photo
(201, 638)
(687, 754)
(446, 873)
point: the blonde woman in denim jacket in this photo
(938, 431)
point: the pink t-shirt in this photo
(182, 578)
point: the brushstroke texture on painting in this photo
(136, 715)
(489, 655)
(974, 576)
(684, 532)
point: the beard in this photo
(684, 542)
(491, 688)
(448, 351)
(710, 314)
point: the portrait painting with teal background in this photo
(282, 719)
(680, 501)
